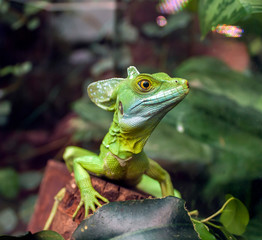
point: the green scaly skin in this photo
(139, 102)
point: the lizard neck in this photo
(125, 143)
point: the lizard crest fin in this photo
(102, 93)
(132, 72)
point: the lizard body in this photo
(139, 102)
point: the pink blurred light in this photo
(172, 6)
(161, 21)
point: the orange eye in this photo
(144, 84)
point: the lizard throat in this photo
(124, 144)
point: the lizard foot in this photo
(90, 200)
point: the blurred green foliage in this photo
(175, 22)
(5, 110)
(9, 186)
(214, 12)
(23, 14)
(17, 70)
(12, 184)
(223, 111)
(215, 134)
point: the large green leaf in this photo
(215, 77)
(224, 111)
(142, 219)
(214, 12)
(216, 132)
(168, 143)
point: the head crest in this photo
(103, 93)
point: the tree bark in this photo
(56, 177)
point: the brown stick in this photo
(56, 176)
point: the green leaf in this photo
(27, 208)
(214, 12)
(34, 8)
(96, 121)
(17, 70)
(8, 220)
(223, 110)
(47, 235)
(33, 24)
(227, 234)
(30, 180)
(254, 229)
(15, 25)
(170, 143)
(203, 231)
(235, 216)
(222, 234)
(215, 77)
(21, 69)
(43, 235)
(9, 185)
(142, 219)
(4, 7)
(5, 109)
(128, 32)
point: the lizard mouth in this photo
(172, 96)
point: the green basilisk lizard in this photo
(139, 102)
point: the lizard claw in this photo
(90, 201)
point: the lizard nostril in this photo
(187, 83)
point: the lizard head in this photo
(140, 99)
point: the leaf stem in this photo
(213, 225)
(219, 211)
(193, 213)
(209, 223)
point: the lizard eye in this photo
(144, 85)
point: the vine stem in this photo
(193, 213)
(219, 211)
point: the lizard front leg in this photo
(159, 179)
(81, 164)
